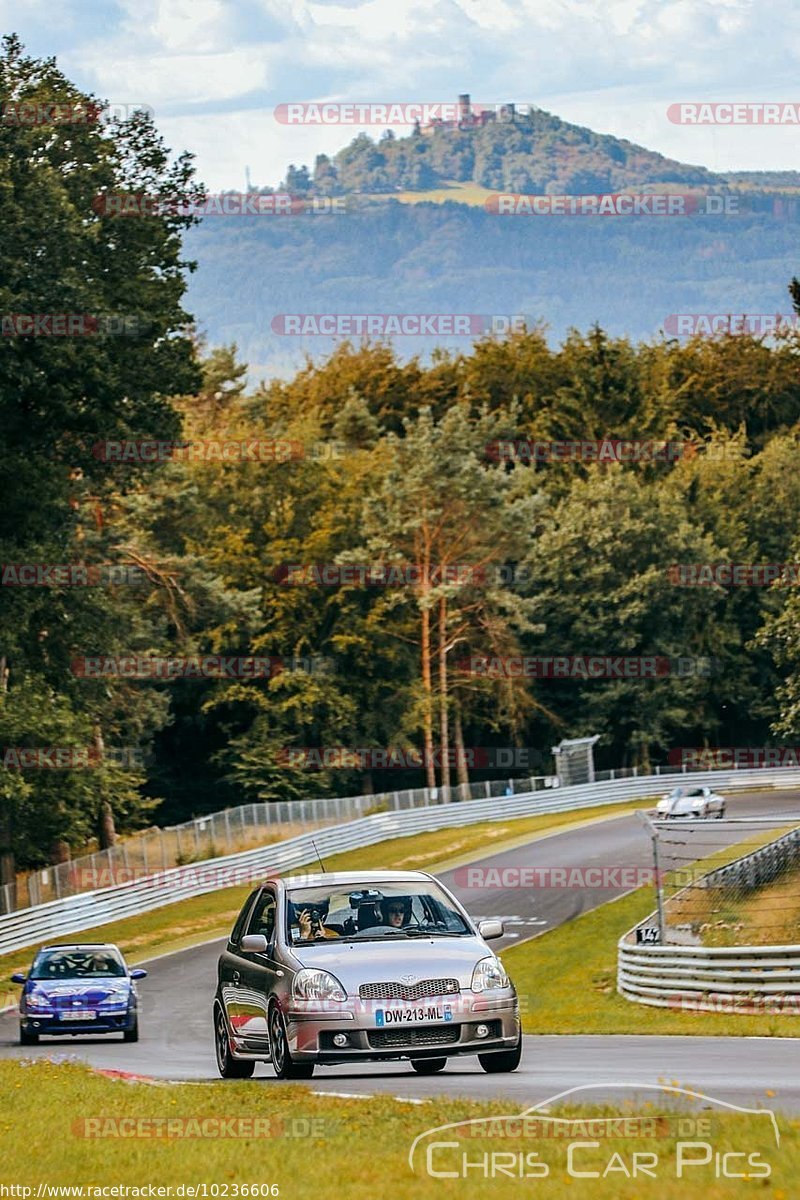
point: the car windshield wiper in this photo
(420, 931)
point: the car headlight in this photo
(313, 984)
(34, 1001)
(489, 974)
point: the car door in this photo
(260, 971)
(231, 968)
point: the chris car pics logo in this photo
(696, 1138)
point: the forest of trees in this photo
(391, 462)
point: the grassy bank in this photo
(567, 983)
(311, 1146)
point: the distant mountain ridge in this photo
(417, 234)
(530, 151)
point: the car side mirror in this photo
(490, 929)
(18, 977)
(138, 973)
(253, 943)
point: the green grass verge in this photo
(319, 1147)
(189, 922)
(566, 979)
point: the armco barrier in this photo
(740, 979)
(233, 830)
(59, 918)
(711, 978)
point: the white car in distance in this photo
(692, 803)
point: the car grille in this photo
(415, 1035)
(402, 991)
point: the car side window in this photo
(237, 933)
(263, 919)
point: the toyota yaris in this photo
(78, 989)
(346, 968)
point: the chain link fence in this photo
(228, 832)
(728, 883)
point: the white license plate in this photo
(418, 1014)
(78, 1016)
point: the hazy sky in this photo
(214, 70)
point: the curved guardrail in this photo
(745, 979)
(58, 918)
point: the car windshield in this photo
(77, 964)
(390, 910)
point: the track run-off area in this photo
(176, 1040)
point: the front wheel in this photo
(132, 1034)
(228, 1066)
(428, 1066)
(279, 1049)
(27, 1037)
(504, 1060)
(721, 813)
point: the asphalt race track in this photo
(176, 1036)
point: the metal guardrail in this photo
(229, 831)
(73, 914)
(741, 979)
(235, 829)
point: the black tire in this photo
(721, 814)
(228, 1066)
(502, 1060)
(132, 1035)
(428, 1066)
(27, 1037)
(279, 1050)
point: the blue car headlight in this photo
(115, 1003)
(32, 1000)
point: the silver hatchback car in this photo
(344, 968)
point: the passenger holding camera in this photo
(311, 923)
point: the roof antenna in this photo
(316, 851)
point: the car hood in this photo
(354, 963)
(682, 806)
(89, 991)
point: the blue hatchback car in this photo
(78, 989)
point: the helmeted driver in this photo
(395, 912)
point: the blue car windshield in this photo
(77, 964)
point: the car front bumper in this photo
(476, 1024)
(52, 1025)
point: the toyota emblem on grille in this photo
(408, 979)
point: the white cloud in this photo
(614, 65)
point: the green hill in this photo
(528, 152)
